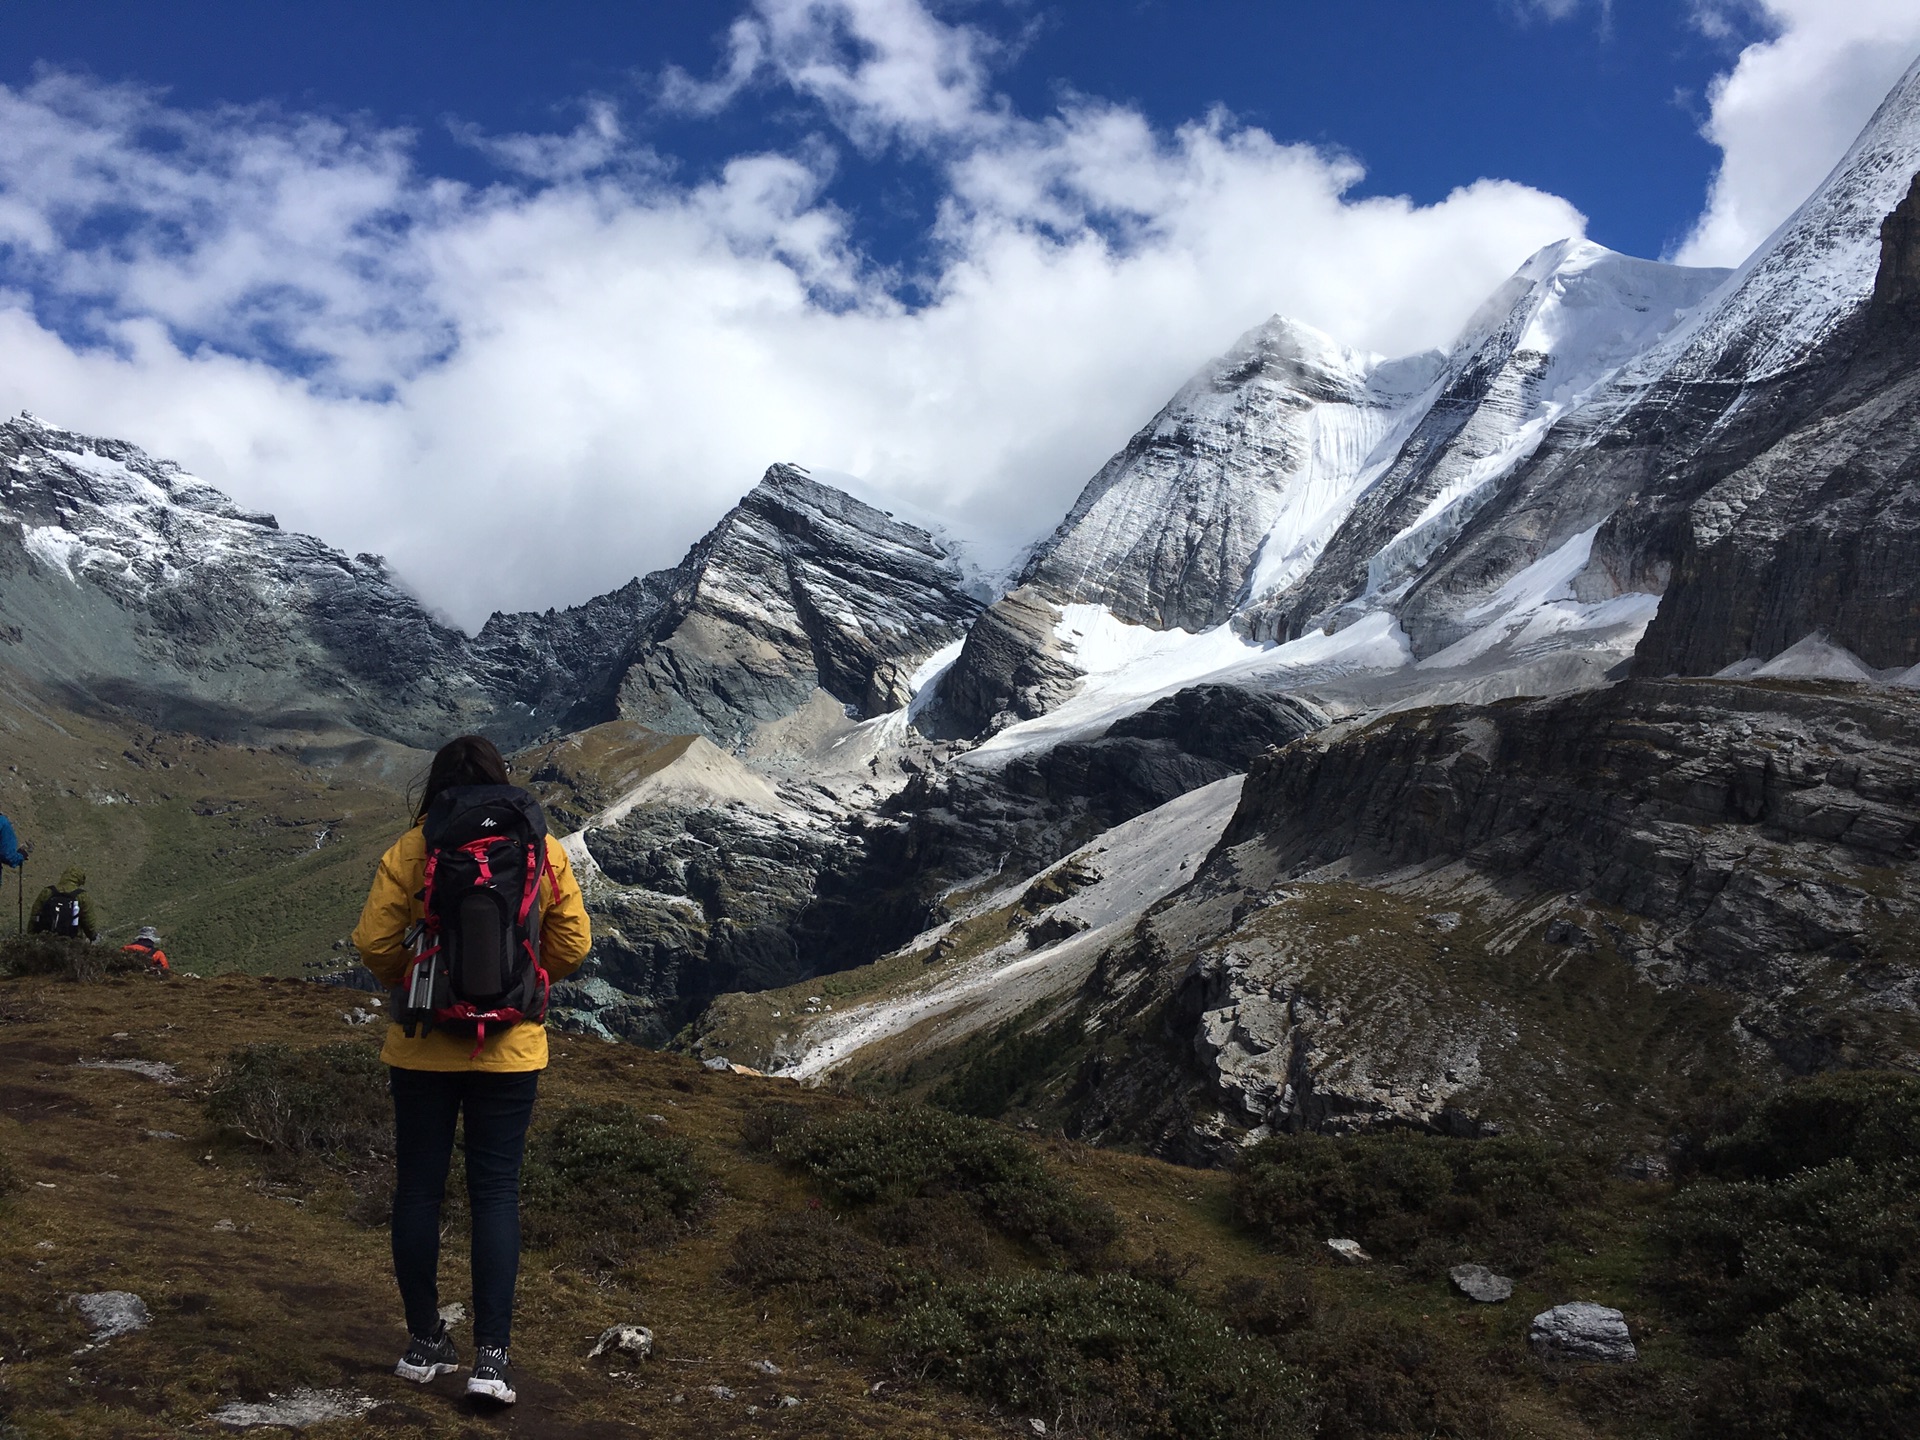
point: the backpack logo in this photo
(489, 824)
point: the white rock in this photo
(112, 1312)
(1349, 1251)
(454, 1314)
(766, 1367)
(1582, 1330)
(633, 1341)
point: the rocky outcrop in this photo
(799, 587)
(1755, 823)
(1582, 1330)
(1820, 531)
(1011, 668)
(1580, 910)
(1168, 532)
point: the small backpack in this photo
(59, 914)
(477, 957)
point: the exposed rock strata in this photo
(1726, 870)
(800, 586)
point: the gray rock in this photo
(635, 1342)
(1477, 1282)
(112, 1312)
(766, 1367)
(296, 1410)
(1349, 1251)
(1582, 1330)
(717, 1062)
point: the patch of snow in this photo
(1139, 862)
(924, 684)
(52, 546)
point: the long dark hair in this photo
(470, 760)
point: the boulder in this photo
(1349, 1251)
(1582, 1330)
(1477, 1282)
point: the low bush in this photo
(823, 1263)
(326, 1101)
(72, 959)
(898, 1154)
(599, 1181)
(1422, 1197)
(1793, 1252)
(1111, 1355)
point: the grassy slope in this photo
(298, 1294)
(247, 859)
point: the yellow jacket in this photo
(393, 905)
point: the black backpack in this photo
(477, 961)
(59, 914)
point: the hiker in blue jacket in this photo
(13, 854)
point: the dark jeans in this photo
(425, 1105)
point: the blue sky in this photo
(357, 262)
(1602, 106)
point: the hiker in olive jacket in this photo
(437, 1074)
(65, 908)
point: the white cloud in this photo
(571, 375)
(1790, 107)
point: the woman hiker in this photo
(465, 1049)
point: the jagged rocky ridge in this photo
(133, 585)
(1526, 500)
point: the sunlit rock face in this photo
(800, 586)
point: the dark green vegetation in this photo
(1106, 1354)
(1422, 1199)
(1008, 1068)
(326, 1101)
(601, 1180)
(71, 959)
(923, 1256)
(910, 1157)
(1793, 1254)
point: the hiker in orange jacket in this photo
(437, 1074)
(146, 946)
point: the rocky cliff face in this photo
(1251, 460)
(131, 584)
(1819, 532)
(1660, 882)
(799, 587)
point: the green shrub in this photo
(598, 1180)
(327, 1101)
(987, 1086)
(896, 1154)
(823, 1263)
(1793, 1252)
(73, 959)
(1110, 1354)
(1401, 1193)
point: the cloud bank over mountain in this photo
(604, 351)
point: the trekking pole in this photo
(20, 900)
